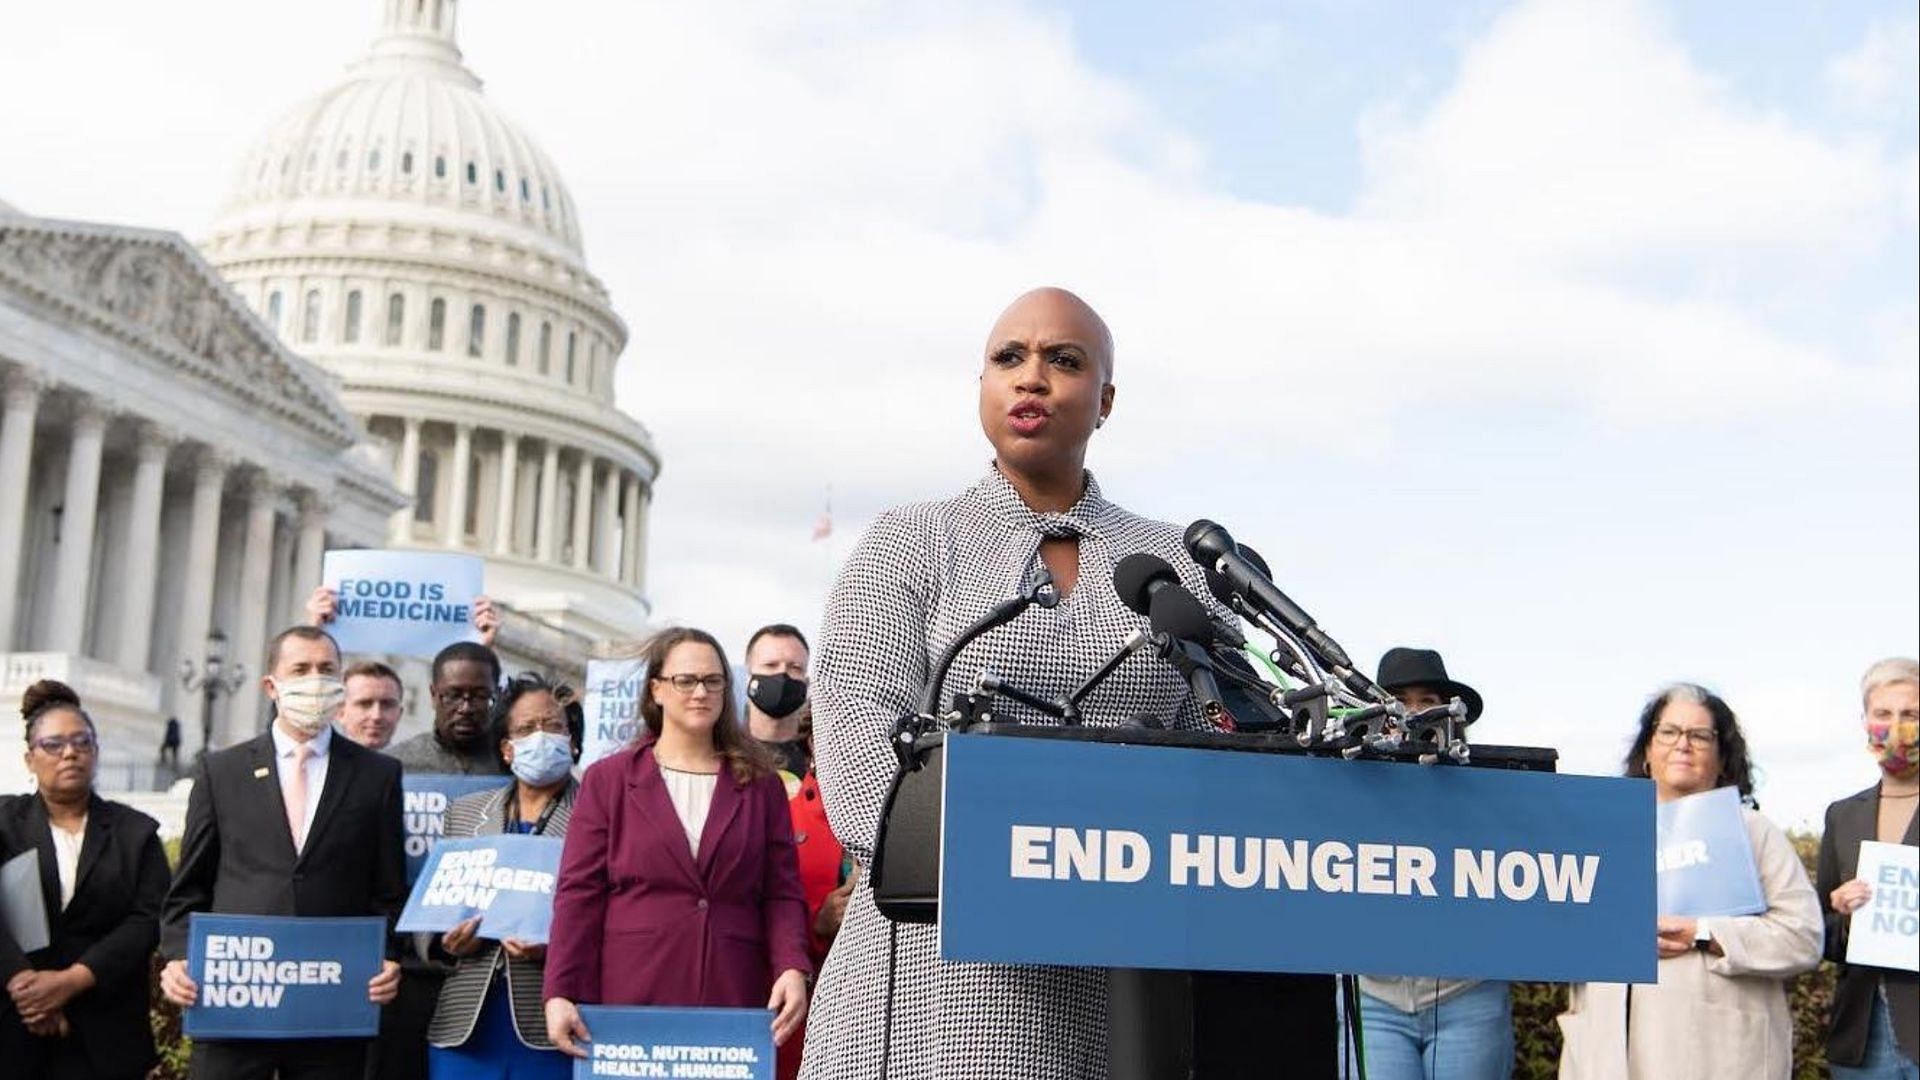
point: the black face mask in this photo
(777, 695)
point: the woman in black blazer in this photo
(1875, 1026)
(77, 1009)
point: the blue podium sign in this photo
(266, 977)
(1059, 852)
(631, 1041)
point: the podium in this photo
(1204, 1024)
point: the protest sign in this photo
(1886, 933)
(425, 798)
(265, 977)
(612, 705)
(1705, 861)
(1457, 872)
(506, 879)
(402, 603)
(715, 1044)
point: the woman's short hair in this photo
(1889, 672)
(528, 682)
(1736, 768)
(744, 755)
(49, 696)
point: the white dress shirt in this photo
(66, 858)
(283, 748)
(692, 796)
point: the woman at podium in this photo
(885, 1004)
(1720, 1006)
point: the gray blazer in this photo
(1849, 821)
(484, 813)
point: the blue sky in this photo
(1576, 338)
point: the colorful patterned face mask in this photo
(1895, 745)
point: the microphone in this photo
(1212, 546)
(1041, 593)
(1141, 579)
(1184, 627)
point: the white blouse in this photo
(66, 857)
(692, 795)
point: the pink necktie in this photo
(295, 792)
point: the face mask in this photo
(541, 758)
(777, 695)
(308, 704)
(1894, 747)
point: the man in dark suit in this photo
(294, 822)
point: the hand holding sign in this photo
(1885, 929)
(507, 881)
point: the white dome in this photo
(409, 136)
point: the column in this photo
(630, 532)
(407, 478)
(66, 631)
(310, 548)
(608, 563)
(549, 526)
(143, 547)
(583, 511)
(640, 542)
(16, 458)
(454, 530)
(507, 502)
(256, 577)
(196, 597)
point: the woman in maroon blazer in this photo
(679, 884)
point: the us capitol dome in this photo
(403, 234)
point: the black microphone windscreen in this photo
(1207, 541)
(1259, 563)
(1176, 612)
(1134, 575)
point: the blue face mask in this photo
(542, 758)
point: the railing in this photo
(96, 681)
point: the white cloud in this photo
(1881, 72)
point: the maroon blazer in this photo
(638, 920)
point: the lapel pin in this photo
(260, 773)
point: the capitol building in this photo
(388, 337)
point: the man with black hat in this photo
(1428, 1028)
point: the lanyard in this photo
(540, 825)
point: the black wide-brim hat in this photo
(1402, 667)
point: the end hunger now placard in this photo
(506, 879)
(1886, 933)
(426, 797)
(402, 603)
(612, 705)
(711, 1044)
(266, 977)
(1705, 863)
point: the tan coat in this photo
(1709, 1017)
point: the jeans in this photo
(1467, 1037)
(1883, 1060)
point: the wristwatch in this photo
(1702, 935)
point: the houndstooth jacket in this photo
(919, 577)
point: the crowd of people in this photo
(717, 860)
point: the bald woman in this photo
(920, 576)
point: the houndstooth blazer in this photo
(919, 577)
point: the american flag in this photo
(823, 526)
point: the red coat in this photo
(820, 856)
(638, 920)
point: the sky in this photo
(1577, 339)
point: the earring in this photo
(1101, 422)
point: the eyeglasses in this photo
(479, 699)
(1700, 738)
(554, 724)
(83, 743)
(685, 683)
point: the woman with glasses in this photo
(75, 1005)
(488, 1028)
(1875, 1029)
(1720, 1006)
(680, 884)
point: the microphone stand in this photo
(910, 727)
